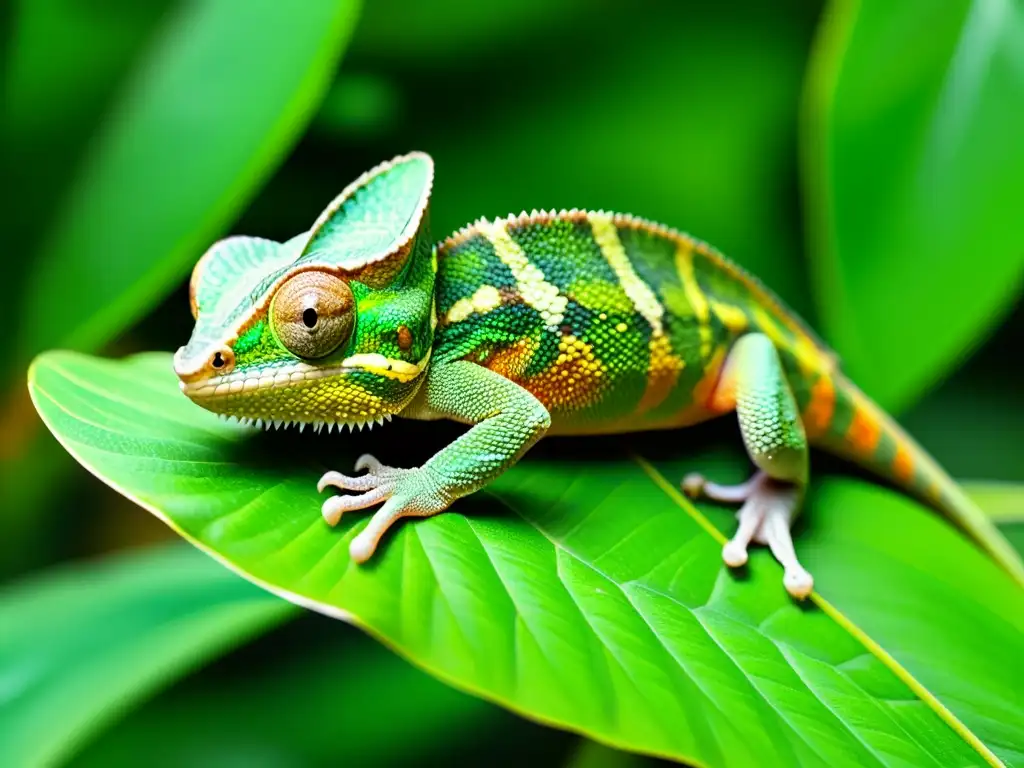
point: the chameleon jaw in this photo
(269, 378)
(361, 391)
(316, 426)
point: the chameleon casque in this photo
(574, 322)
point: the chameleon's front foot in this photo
(765, 518)
(405, 492)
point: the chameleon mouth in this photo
(237, 382)
(316, 426)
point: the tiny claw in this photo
(361, 548)
(346, 483)
(366, 461)
(341, 504)
(734, 553)
(332, 510)
(693, 484)
(798, 582)
(329, 478)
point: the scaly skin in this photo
(574, 322)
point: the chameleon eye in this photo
(312, 314)
(404, 338)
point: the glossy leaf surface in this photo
(593, 597)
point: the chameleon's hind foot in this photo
(695, 485)
(405, 493)
(765, 518)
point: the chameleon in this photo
(565, 322)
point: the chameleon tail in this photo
(857, 429)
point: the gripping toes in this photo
(765, 518)
(378, 485)
(405, 493)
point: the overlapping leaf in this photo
(80, 644)
(316, 693)
(224, 91)
(219, 91)
(913, 169)
(596, 600)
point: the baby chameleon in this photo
(546, 323)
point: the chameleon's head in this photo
(333, 326)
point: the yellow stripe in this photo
(531, 283)
(734, 318)
(387, 367)
(664, 366)
(484, 300)
(643, 298)
(699, 302)
(684, 266)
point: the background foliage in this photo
(860, 157)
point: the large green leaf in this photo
(593, 597)
(914, 169)
(220, 96)
(80, 644)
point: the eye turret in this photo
(312, 314)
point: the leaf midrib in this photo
(844, 622)
(752, 681)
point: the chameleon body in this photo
(574, 322)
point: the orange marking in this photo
(818, 415)
(717, 389)
(573, 381)
(662, 374)
(511, 361)
(864, 432)
(903, 463)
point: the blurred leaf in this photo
(973, 422)
(1014, 533)
(63, 58)
(360, 105)
(331, 703)
(914, 171)
(1004, 502)
(700, 136)
(222, 94)
(79, 645)
(590, 754)
(601, 606)
(447, 32)
(64, 62)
